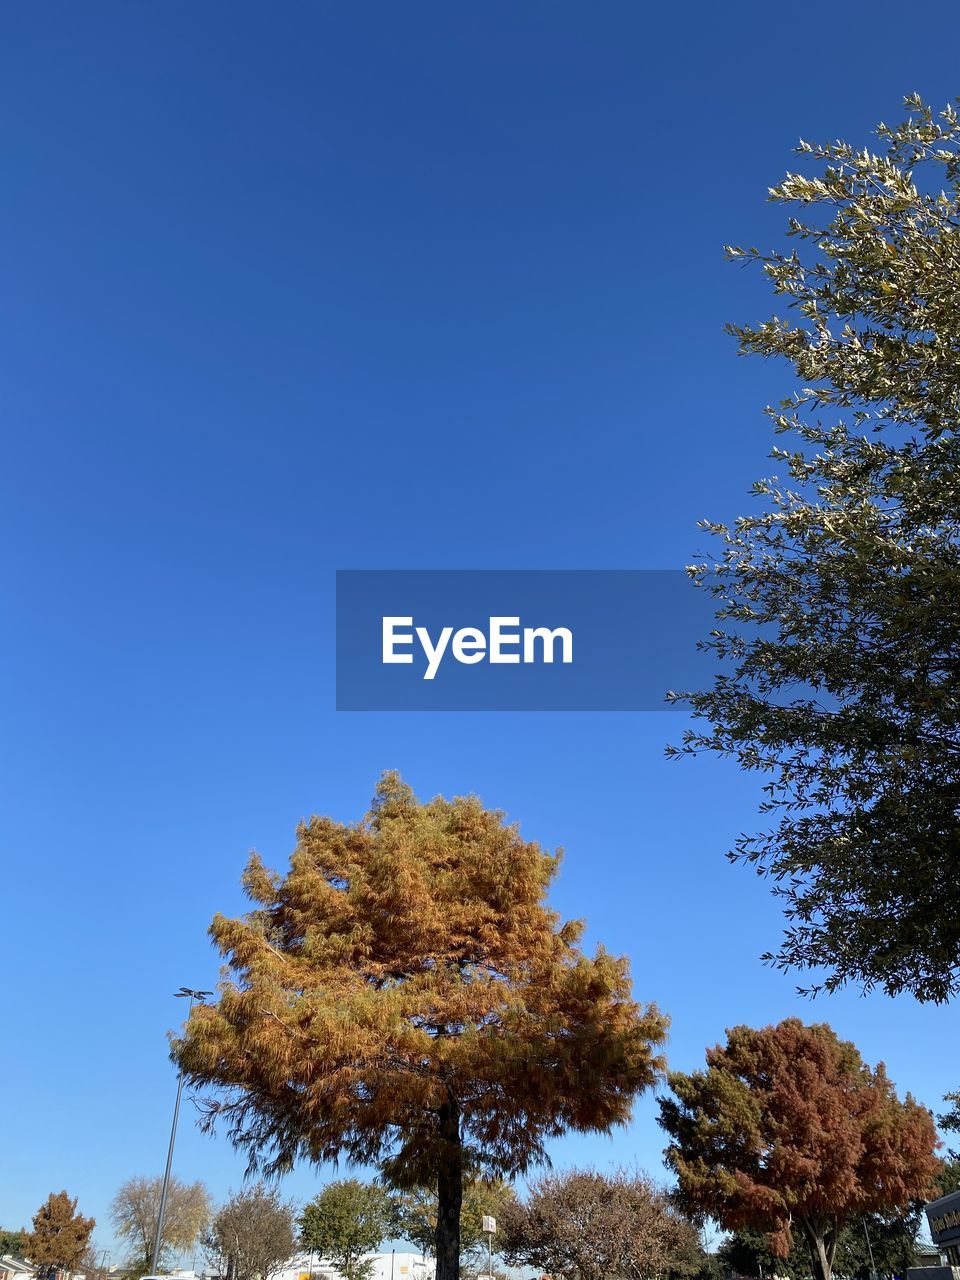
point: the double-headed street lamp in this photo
(192, 996)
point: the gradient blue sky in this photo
(300, 287)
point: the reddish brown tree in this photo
(59, 1237)
(789, 1130)
(404, 996)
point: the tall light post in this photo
(873, 1267)
(199, 997)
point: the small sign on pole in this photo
(488, 1225)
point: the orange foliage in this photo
(404, 996)
(788, 1129)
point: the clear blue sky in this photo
(287, 288)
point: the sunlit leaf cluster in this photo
(838, 594)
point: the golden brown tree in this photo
(788, 1131)
(404, 997)
(59, 1237)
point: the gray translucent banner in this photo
(519, 640)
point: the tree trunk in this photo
(822, 1247)
(449, 1193)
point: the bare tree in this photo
(135, 1210)
(253, 1235)
(585, 1225)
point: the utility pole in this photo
(199, 997)
(873, 1268)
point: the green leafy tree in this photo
(747, 1253)
(252, 1236)
(948, 1179)
(837, 594)
(886, 1244)
(950, 1121)
(136, 1208)
(708, 1267)
(59, 1237)
(404, 996)
(346, 1222)
(891, 1250)
(11, 1244)
(788, 1132)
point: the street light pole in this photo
(200, 997)
(873, 1265)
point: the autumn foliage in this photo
(788, 1130)
(59, 1237)
(405, 997)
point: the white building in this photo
(15, 1268)
(395, 1265)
